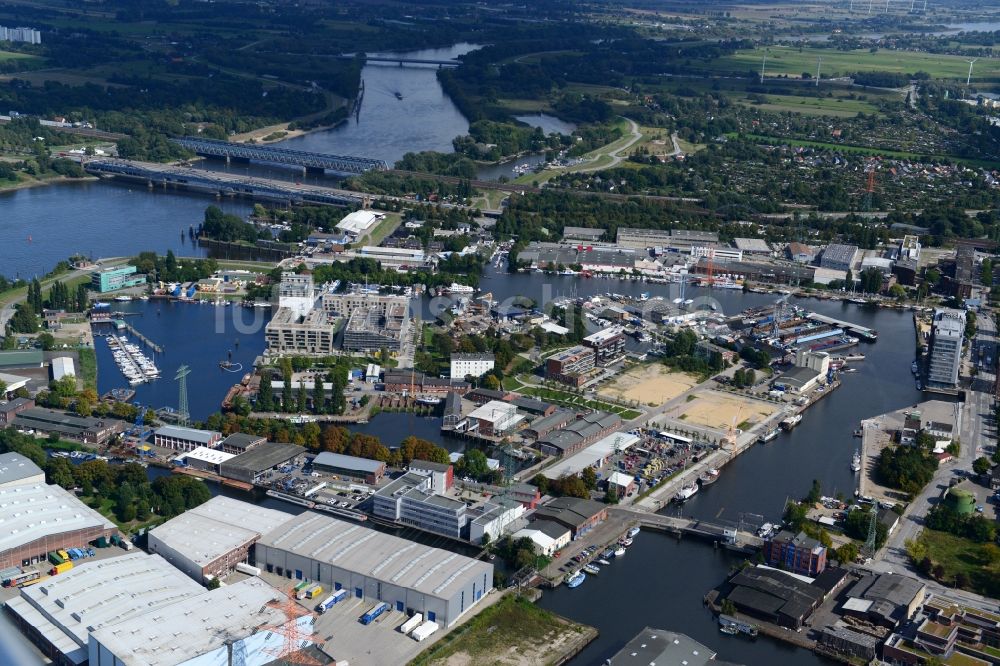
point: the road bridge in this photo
(308, 161)
(219, 184)
(730, 536)
(403, 61)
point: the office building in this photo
(86, 429)
(178, 438)
(839, 257)
(442, 475)
(496, 518)
(290, 332)
(571, 366)
(577, 515)
(494, 419)
(349, 467)
(608, 345)
(370, 565)
(215, 627)
(16, 470)
(258, 463)
(40, 518)
(61, 613)
(114, 278)
(909, 248)
(474, 365)
(212, 538)
(410, 501)
(719, 255)
(796, 553)
(947, 333)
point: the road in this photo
(975, 429)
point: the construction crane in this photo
(870, 167)
(139, 430)
(730, 437)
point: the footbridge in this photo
(309, 161)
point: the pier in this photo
(862, 332)
(219, 184)
(142, 338)
(342, 164)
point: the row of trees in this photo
(303, 397)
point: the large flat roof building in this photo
(667, 648)
(83, 428)
(211, 539)
(200, 630)
(178, 438)
(301, 332)
(352, 467)
(495, 418)
(359, 222)
(40, 518)
(374, 328)
(372, 565)
(60, 614)
(839, 257)
(16, 470)
(256, 463)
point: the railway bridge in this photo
(308, 161)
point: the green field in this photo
(814, 106)
(793, 61)
(980, 562)
(574, 400)
(11, 55)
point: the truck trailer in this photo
(62, 567)
(331, 601)
(374, 612)
(424, 630)
(243, 567)
(412, 623)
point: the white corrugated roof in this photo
(206, 454)
(31, 512)
(578, 462)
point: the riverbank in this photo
(31, 182)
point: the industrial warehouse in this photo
(211, 539)
(408, 576)
(41, 518)
(61, 613)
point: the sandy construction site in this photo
(720, 411)
(649, 385)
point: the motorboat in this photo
(634, 531)
(856, 462)
(619, 551)
(686, 493)
(576, 579)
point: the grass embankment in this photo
(88, 367)
(979, 562)
(573, 400)
(511, 631)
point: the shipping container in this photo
(424, 630)
(243, 567)
(374, 612)
(61, 568)
(412, 623)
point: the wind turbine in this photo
(969, 79)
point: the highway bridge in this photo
(219, 184)
(403, 61)
(308, 161)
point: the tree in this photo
(213, 583)
(319, 397)
(981, 465)
(265, 396)
(589, 478)
(491, 382)
(847, 553)
(815, 493)
(46, 341)
(301, 397)
(59, 471)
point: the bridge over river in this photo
(308, 161)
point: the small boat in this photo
(576, 579)
(686, 493)
(854, 357)
(858, 433)
(626, 542)
(856, 462)
(914, 367)
(766, 530)
(609, 553)
(709, 477)
(791, 422)
(428, 400)
(768, 436)
(398, 95)
(920, 387)
(603, 562)
(632, 532)
(849, 370)
(619, 551)
(728, 629)
(591, 569)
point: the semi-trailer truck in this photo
(314, 591)
(331, 600)
(374, 612)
